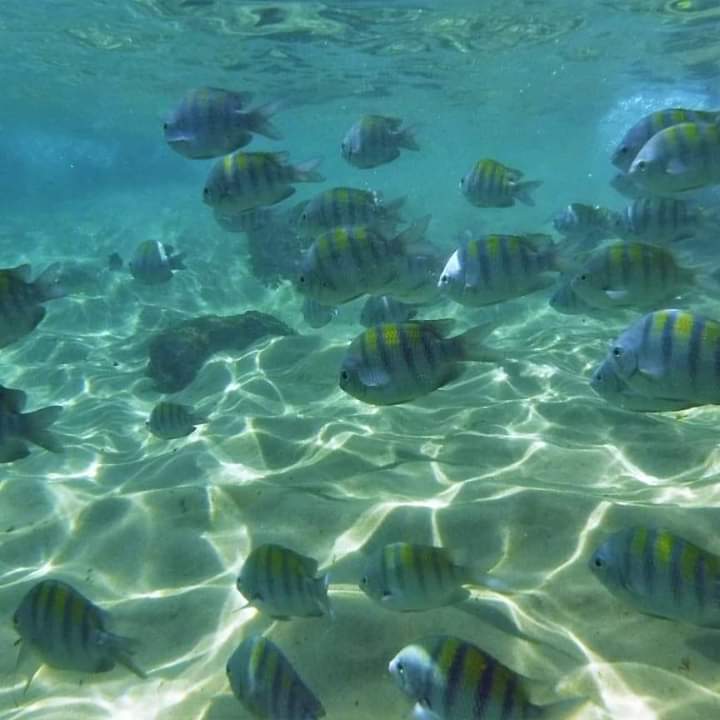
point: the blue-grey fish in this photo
(210, 122)
(21, 298)
(451, 679)
(658, 220)
(317, 315)
(170, 420)
(283, 583)
(397, 362)
(634, 139)
(630, 275)
(670, 354)
(586, 223)
(405, 577)
(247, 221)
(345, 207)
(375, 140)
(246, 180)
(69, 632)
(385, 309)
(624, 184)
(492, 184)
(347, 262)
(495, 268)
(416, 281)
(679, 158)
(567, 302)
(660, 573)
(17, 429)
(612, 388)
(267, 684)
(153, 262)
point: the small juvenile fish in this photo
(406, 577)
(153, 262)
(317, 315)
(451, 679)
(210, 122)
(347, 262)
(630, 275)
(245, 180)
(397, 362)
(650, 125)
(658, 220)
(660, 573)
(492, 184)
(495, 268)
(246, 221)
(679, 158)
(283, 584)
(267, 684)
(375, 140)
(345, 207)
(588, 223)
(670, 354)
(170, 420)
(69, 632)
(385, 309)
(21, 309)
(17, 429)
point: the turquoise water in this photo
(524, 469)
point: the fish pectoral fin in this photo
(422, 711)
(676, 166)
(374, 378)
(616, 294)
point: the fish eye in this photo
(584, 276)
(444, 279)
(364, 579)
(400, 669)
(345, 376)
(165, 126)
(617, 351)
(624, 150)
(598, 563)
(206, 192)
(642, 166)
(386, 593)
(301, 279)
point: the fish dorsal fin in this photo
(22, 272)
(442, 328)
(308, 564)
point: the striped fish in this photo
(153, 262)
(671, 354)
(317, 315)
(383, 308)
(657, 220)
(347, 262)
(267, 684)
(451, 679)
(247, 221)
(210, 122)
(492, 184)
(567, 302)
(345, 207)
(375, 140)
(650, 125)
(69, 632)
(283, 584)
(397, 362)
(170, 420)
(660, 573)
(406, 577)
(630, 275)
(586, 223)
(681, 157)
(495, 268)
(246, 180)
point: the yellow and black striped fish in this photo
(671, 354)
(451, 679)
(492, 184)
(69, 632)
(375, 140)
(660, 573)
(658, 220)
(267, 684)
(282, 583)
(170, 420)
(397, 362)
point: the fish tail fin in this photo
(176, 262)
(307, 171)
(563, 710)
(121, 650)
(523, 191)
(471, 345)
(406, 138)
(35, 428)
(48, 283)
(258, 119)
(392, 210)
(412, 239)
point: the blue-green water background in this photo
(528, 471)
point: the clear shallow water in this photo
(524, 466)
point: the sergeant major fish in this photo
(492, 184)
(375, 140)
(210, 122)
(246, 180)
(317, 315)
(451, 679)
(398, 362)
(170, 420)
(68, 631)
(283, 584)
(658, 220)
(153, 262)
(385, 309)
(587, 223)
(267, 684)
(659, 573)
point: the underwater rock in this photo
(178, 353)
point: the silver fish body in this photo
(658, 220)
(375, 140)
